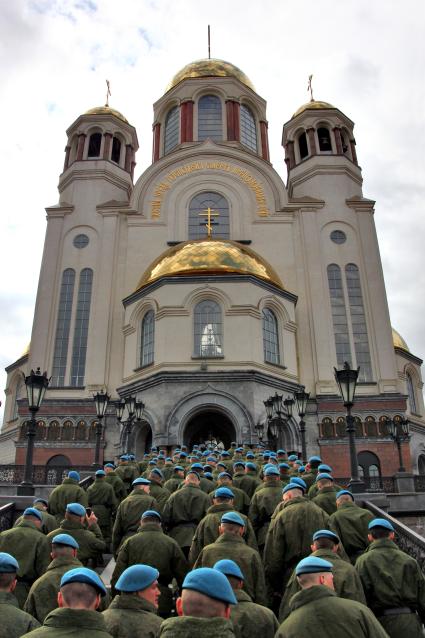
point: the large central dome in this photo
(209, 256)
(210, 67)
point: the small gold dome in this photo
(209, 256)
(106, 110)
(313, 104)
(26, 351)
(399, 342)
(210, 68)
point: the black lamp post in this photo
(278, 411)
(347, 381)
(134, 411)
(101, 400)
(301, 400)
(36, 385)
(260, 431)
(399, 431)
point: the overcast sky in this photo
(367, 57)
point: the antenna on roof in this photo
(108, 92)
(209, 43)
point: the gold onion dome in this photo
(209, 256)
(106, 110)
(210, 67)
(313, 104)
(398, 341)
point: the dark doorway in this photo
(142, 439)
(209, 426)
(370, 469)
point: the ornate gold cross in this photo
(108, 92)
(310, 87)
(209, 223)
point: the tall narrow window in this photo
(302, 145)
(324, 139)
(270, 337)
(171, 137)
(248, 128)
(18, 389)
(358, 322)
(79, 349)
(62, 328)
(147, 338)
(339, 315)
(411, 394)
(208, 329)
(95, 142)
(116, 150)
(198, 210)
(210, 122)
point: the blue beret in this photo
(234, 518)
(342, 492)
(195, 472)
(151, 514)
(131, 457)
(301, 469)
(239, 449)
(299, 481)
(221, 464)
(325, 533)
(178, 468)
(223, 492)
(100, 473)
(123, 457)
(314, 459)
(141, 481)
(381, 522)
(322, 476)
(325, 468)
(211, 583)
(271, 471)
(169, 459)
(292, 486)
(250, 455)
(197, 466)
(154, 448)
(251, 466)
(273, 455)
(292, 457)
(152, 462)
(229, 568)
(313, 565)
(84, 575)
(298, 462)
(31, 511)
(65, 539)
(208, 475)
(40, 500)
(266, 454)
(284, 466)
(8, 564)
(111, 465)
(183, 455)
(238, 464)
(281, 451)
(211, 458)
(136, 578)
(222, 474)
(74, 475)
(225, 454)
(76, 508)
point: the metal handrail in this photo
(7, 512)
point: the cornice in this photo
(60, 210)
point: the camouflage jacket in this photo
(129, 616)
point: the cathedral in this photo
(209, 285)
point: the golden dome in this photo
(106, 110)
(313, 104)
(209, 256)
(210, 68)
(398, 341)
(26, 351)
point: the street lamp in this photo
(260, 431)
(399, 432)
(36, 385)
(101, 400)
(347, 381)
(301, 399)
(134, 411)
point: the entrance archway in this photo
(209, 425)
(142, 439)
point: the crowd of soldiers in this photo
(242, 542)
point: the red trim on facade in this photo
(233, 115)
(265, 153)
(107, 145)
(80, 148)
(186, 121)
(156, 141)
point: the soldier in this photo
(350, 522)
(132, 614)
(249, 481)
(238, 472)
(43, 595)
(84, 530)
(79, 596)
(49, 522)
(310, 476)
(264, 503)
(241, 498)
(102, 499)
(168, 469)
(68, 492)
(393, 583)
(317, 611)
(130, 510)
(347, 583)
(204, 607)
(249, 619)
(230, 544)
(127, 472)
(175, 480)
(326, 497)
(117, 483)
(207, 530)
(30, 547)
(313, 490)
(159, 493)
(14, 621)
(184, 509)
(205, 485)
(284, 473)
(151, 546)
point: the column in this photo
(128, 157)
(232, 117)
(186, 121)
(290, 153)
(338, 140)
(67, 152)
(353, 151)
(80, 148)
(107, 145)
(265, 153)
(312, 141)
(156, 141)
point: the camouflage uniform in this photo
(118, 485)
(263, 504)
(251, 620)
(49, 522)
(129, 514)
(191, 627)
(89, 539)
(66, 622)
(183, 511)
(101, 497)
(129, 616)
(13, 621)
(160, 494)
(68, 492)
(350, 522)
(326, 499)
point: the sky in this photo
(367, 58)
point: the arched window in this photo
(116, 150)
(171, 136)
(339, 315)
(67, 431)
(359, 427)
(210, 124)
(53, 431)
(341, 427)
(95, 142)
(371, 426)
(147, 338)
(198, 208)
(62, 328)
(248, 128)
(270, 337)
(79, 349)
(327, 428)
(384, 425)
(358, 322)
(302, 145)
(324, 139)
(208, 329)
(411, 394)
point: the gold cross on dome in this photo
(208, 213)
(310, 87)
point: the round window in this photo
(338, 237)
(80, 241)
